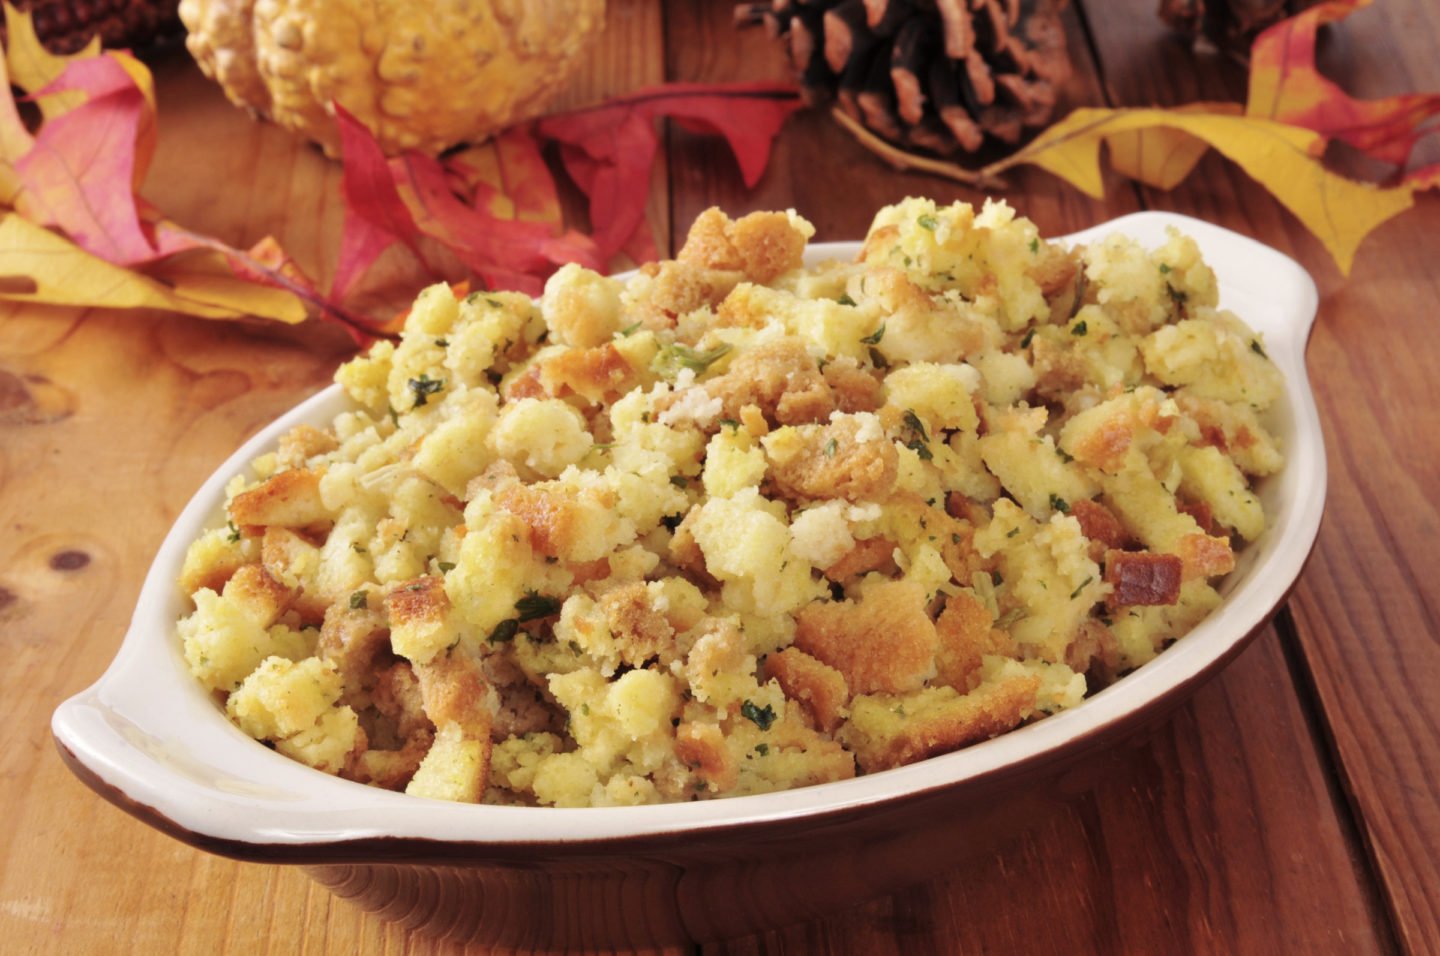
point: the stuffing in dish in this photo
(732, 525)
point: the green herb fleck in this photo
(1079, 328)
(505, 631)
(1059, 504)
(359, 600)
(1029, 337)
(630, 330)
(1035, 246)
(423, 387)
(534, 606)
(1076, 593)
(927, 222)
(762, 749)
(996, 578)
(575, 648)
(876, 359)
(602, 445)
(1257, 348)
(830, 447)
(679, 481)
(761, 717)
(585, 709)
(954, 539)
(1176, 295)
(1009, 617)
(845, 299)
(671, 358)
(496, 303)
(394, 415)
(1164, 269)
(357, 548)
(874, 337)
(729, 423)
(443, 343)
(1012, 532)
(913, 422)
(234, 535)
(445, 566)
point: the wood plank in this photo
(1366, 610)
(1215, 835)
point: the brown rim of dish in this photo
(462, 852)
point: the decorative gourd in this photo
(422, 76)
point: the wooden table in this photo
(1290, 806)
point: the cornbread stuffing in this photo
(733, 525)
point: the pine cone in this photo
(942, 75)
(1232, 25)
(65, 26)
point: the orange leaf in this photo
(1284, 159)
(1161, 156)
(508, 178)
(1285, 86)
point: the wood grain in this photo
(1367, 612)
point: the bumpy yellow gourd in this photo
(420, 76)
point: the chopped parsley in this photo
(234, 534)
(423, 387)
(729, 423)
(927, 222)
(830, 447)
(672, 358)
(505, 631)
(443, 343)
(446, 566)
(1012, 532)
(629, 330)
(876, 359)
(919, 440)
(1029, 337)
(534, 606)
(874, 337)
(679, 481)
(1035, 246)
(1079, 328)
(1009, 617)
(845, 299)
(359, 600)
(1076, 593)
(1257, 348)
(1164, 269)
(1064, 455)
(1176, 295)
(1059, 504)
(762, 749)
(761, 717)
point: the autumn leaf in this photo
(375, 216)
(609, 150)
(33, 68)
(37, 265)
(1162, 156)
(1286, 87)
(496, 206)
(78, 171)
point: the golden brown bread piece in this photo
(762, 245)
(288, 498)
(967, 633)
(883, 642)
(818, 688)
(832, 463)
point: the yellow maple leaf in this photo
(36, 265)
(32, 67)
(1162, 157)
(1284, 159)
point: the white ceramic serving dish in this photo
(150, 739)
